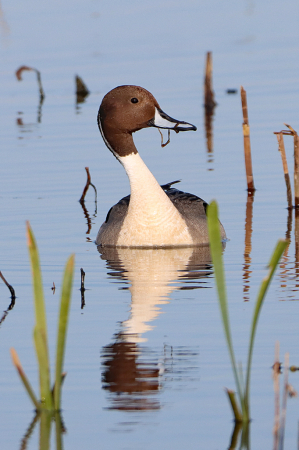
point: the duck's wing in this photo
(193, 210)
(110, 229)
(119, 210)
(189, 205)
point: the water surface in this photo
(153, 313)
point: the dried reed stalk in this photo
(81, 90)
(88, 183)
(248, 245)
(296, 230)
(208, 84)
(247, 147)
(11, 289)
(292, 132)
(19, 73)
(281, 148)
(296, 169)
(82, 289)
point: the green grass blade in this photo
(40, 332)
(216, 253)
(275, 258)
(62, 327)
(39, 304)
(24, 379)
(40, 344)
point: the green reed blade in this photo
(17, 363)
(39, 303)
(44, 372)
(216, 253)
(40, 331)
(275, 258)
(62, 326)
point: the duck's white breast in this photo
(152, 219)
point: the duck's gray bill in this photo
(162, 120)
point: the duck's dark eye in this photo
(134, 100)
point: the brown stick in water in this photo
(82, 289)
(247, 147)
(12, 291)
(281, 148)
(88, 183)
(208, 84)
(296, 164)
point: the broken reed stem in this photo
(296, 169)
(12, 291)
(81, 89)
(292, 132)
(247, 147)
(82, 289)
(82, 279)
(282, 151)
(39, 82)
(208, 84)
(236, 411)
(276, 373)
(19, 73)
(88, 183)
(10, 307)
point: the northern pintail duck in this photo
(153, 215)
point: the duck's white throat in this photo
(152, 219)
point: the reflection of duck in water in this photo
(151, 216)
(153, 274)
(130, 376)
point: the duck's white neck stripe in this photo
(105, 140)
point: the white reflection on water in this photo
(131, 372)
(152, 274)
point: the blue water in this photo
(146, 315)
